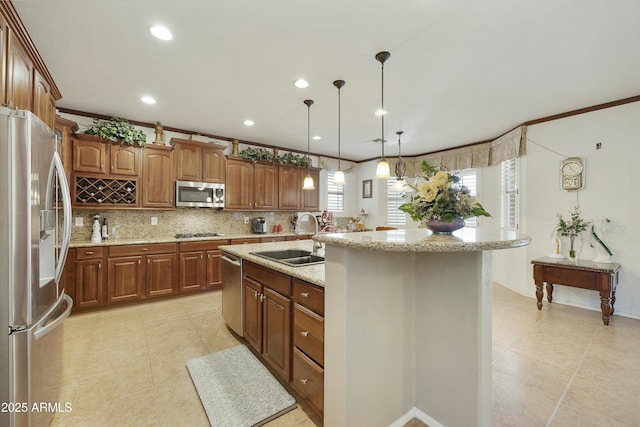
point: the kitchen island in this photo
(408, 326)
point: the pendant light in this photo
(382, 169)
(400, 169)
(308, 180)
(338, 176)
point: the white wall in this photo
(609, 192)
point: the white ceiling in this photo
(459, 72)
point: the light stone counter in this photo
(422, 240)
(311, 273)
(408, 326)
(171, 239)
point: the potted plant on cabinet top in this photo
(117, 130)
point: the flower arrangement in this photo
(572, 227)
(117, 129)
(439, 195)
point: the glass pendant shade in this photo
(382, 170)
(308, 183)
(398, 185)
(338, 178)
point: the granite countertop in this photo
(309, 273)
(171, 239)
(422, 240)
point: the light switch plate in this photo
(154, 220)
(79, 221)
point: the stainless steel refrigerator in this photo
(35, 225)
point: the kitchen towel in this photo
(237, 390)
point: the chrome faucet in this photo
(316, 245)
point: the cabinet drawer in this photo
(129, 250)
(277, 281)
(244, 241)
(308, 380)
(206, 245)
(308, 295)
(576, 278)
(308, 333)
(89, 253)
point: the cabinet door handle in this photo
(89, 253)
(102, 167)
(148, 261)
(304, 333)
(111, 168)
(99, 266)
(304, 381)
(144, 249)
(255, 295)
(138, 262)
(304, 294)
(261, 297)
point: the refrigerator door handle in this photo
(58, 169)
(44, 330)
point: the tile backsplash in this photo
(133, 224)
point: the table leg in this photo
(550, 292)
(605, 306)
(539, 293)
(613, 301)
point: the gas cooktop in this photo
(191, 235)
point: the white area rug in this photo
(236, 390)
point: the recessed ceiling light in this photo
(381, 112)
(301, 83)
(148, 100)
(161, 32)
(317, 138)
(248, 122)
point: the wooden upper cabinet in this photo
(289, 187)
(213, 163)
(200, 162)
(44, 104)
(158, 183)
(89, 156)
(310, 198)
(124, 160)
(19, 74)
(239, 184)
(105, 157)
(265, 186)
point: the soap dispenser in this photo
(95, 235)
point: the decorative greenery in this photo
(293, 159)
(572, 227)
(257, 154)
(439, 195)
(117, 129)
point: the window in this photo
(510, 199)
(335, 195)
(394, 199)
(469, 178)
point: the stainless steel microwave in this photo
(191, 194)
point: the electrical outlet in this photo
(79, 221)
(154, 220)
(246, 220)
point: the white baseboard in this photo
(415, 413)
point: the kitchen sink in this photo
(291, 257)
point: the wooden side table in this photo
(579, 274)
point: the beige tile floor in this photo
(559, 366)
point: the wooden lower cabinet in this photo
(201, 265)
(162, 274)
(125, 281)
(88, 278)
(267, 315)
(308, 343)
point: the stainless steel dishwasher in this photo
(232, 292)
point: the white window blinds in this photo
(335, 195)
(469, 178)
(394, 199)
(510, 200)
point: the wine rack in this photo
(105, 191)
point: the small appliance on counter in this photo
(259, 225)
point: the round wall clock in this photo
(572, 174)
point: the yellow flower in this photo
(440, 178)
(428, 191)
